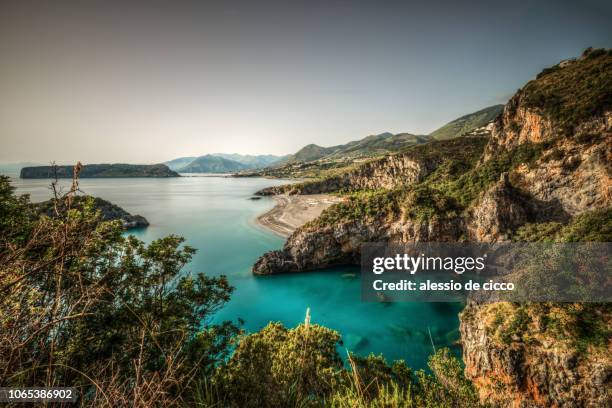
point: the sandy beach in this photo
(293, 211)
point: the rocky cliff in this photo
(545, 173)
(389, 172)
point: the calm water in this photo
(215, 216)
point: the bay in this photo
(216, 216)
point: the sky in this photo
(145, 82)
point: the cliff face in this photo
(534, 366)
(547, 164)
(538, 364)
(387, 173)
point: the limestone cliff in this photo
(545, 169)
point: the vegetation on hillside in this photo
(454, 184)
(317, 162)
(83, 305)
(592, 226)
(467, 123)
(573, 91)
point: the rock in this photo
(570, 175)
(529, 373)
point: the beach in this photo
(293, 211)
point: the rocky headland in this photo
(541, 171)
(98, 171)
(108, 210)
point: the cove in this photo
(216, 217)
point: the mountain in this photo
(184, 164)
(100, 171)
(314, 161)
(466, 123)
(385, 143)
(311, 152)
(252, 161)
(540, 173)
(212, 164)
(369, 146)
(181, 162)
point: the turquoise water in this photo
(215, 216)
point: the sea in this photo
(217, 216)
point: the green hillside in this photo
(99, 171)
(466, 123)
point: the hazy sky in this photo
(144, 82)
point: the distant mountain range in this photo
(373, 145)
(383, 143)
(309, 160)
(222, 163)
(313, 161)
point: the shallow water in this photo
(215, 216)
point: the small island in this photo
(99, 171)
(108, 211)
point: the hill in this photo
(369, 146)
(212, 164)
(314, 161)
(179, 163)
(108, 210)
(541, 172)
(466, 123)
(100, 171)
(252, 161)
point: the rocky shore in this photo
(544, 173)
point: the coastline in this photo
(293, 211)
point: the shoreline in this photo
(293, 211)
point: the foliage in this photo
(82, 305)
(592, 226)
(361, 205)
(280, 367)
(467, 123)
(574, 92)
(583, 327)
(447, 387)
(446, 192)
